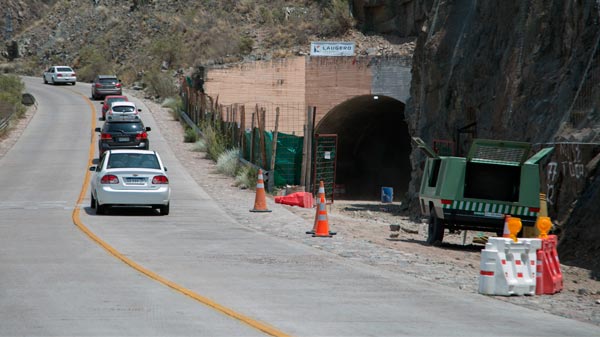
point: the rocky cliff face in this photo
(516, 70)
(399, 17)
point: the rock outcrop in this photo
(516, 70)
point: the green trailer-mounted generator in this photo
(476, 192)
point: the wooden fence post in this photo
(242, 130)
(271, 181)
(263, 143)
(252, 139)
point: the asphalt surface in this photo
(198, 271)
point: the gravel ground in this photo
(363, 232)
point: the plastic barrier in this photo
(508, 267)
(549, 277)
(301, 199)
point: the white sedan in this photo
(130, 178)
(60, 74)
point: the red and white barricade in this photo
(508, 267)
(549, 276)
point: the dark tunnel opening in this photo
(373, 149)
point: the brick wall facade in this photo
(293, 84)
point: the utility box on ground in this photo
(477, 191)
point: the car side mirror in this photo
(148, 128)
(98, 130)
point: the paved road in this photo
(55, 280)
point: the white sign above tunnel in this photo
(323, 48)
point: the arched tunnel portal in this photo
(373, 146)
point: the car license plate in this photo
(123, 139)
(135, 181)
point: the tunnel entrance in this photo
(373, 147)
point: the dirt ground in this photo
(363, 232)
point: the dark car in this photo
(104, 85)
(110, 99)
(123, 135)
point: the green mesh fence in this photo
(288, 160)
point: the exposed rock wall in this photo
(521, 70)
(399, 17)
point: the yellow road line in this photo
(77, 221)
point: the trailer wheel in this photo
(435, 234)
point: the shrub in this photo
(215, 141)
(91, 63)
(11, 88)
(228, 162)
(190, 136)
(246, 177)
(174, 104)
(245, 45)
(200, 146)
(167, 49)
(160, 84)
(337, 18)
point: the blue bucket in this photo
(387, 194)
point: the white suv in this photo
(123, 111)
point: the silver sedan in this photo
(129, 178)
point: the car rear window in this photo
(108, 80)
(138, 160)
(64, 69)
(123, 108)
(112, 100)
(125, 127)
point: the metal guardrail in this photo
(4, 122)
(27, 100)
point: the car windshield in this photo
(133, 160)
(123, 127)
(123, 108)
(64, 69)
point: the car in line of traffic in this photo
(104, 85)
(123, 111)
(128, 173)
(130, 178)
(123, 135)
(59, 74)
(110, 99)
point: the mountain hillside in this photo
(133, 38)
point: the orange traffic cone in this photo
(260, 201)
(320, 195)
(321, 227)
(506, 232)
